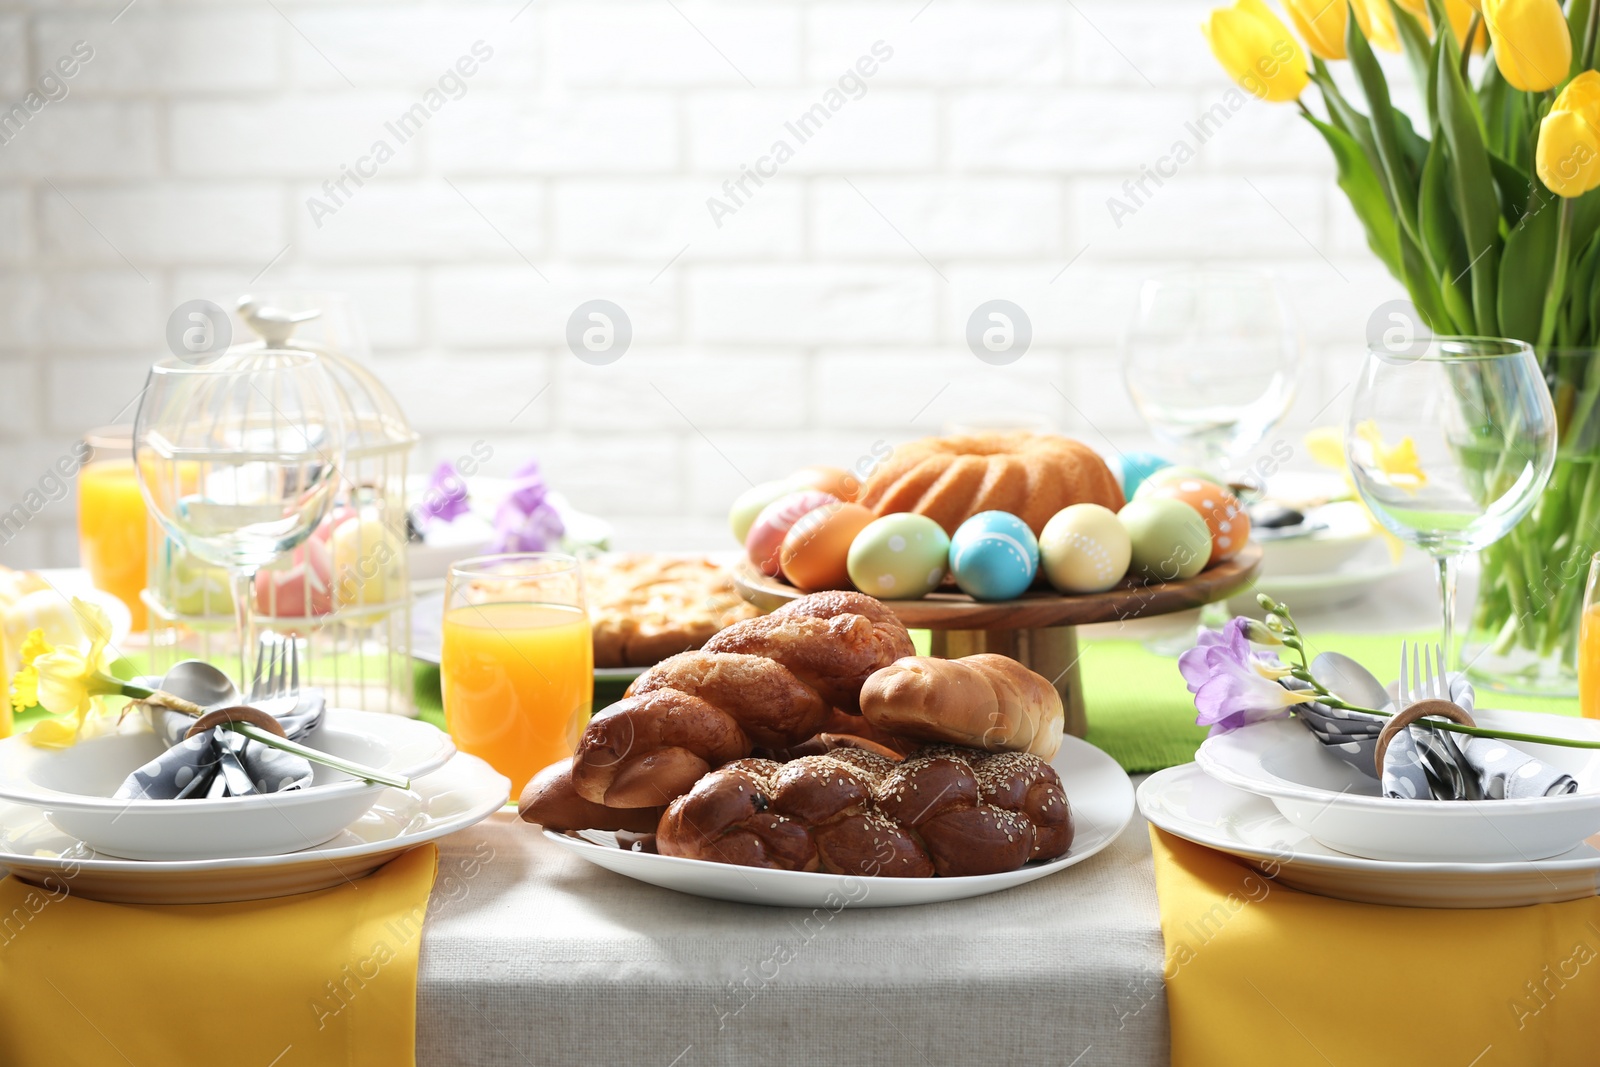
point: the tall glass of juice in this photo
(112, 523)
(1589, 644)
(517, 665)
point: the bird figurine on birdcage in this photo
(344, 592)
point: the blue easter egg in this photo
(1134, 467)
(994, 556)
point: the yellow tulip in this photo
(1568, 155)
(1321, 23)
(1257, 50)
(1532, 47)
(1377, 24)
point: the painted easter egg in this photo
(815, 552)
(1134, 467)
(750, 502)
(366, 562)
(1224, 516)
(772, 525)
(1167, 475)
(899, 557)
(994, 556)
(1085, 548)
(299, 585)
(1169, 539)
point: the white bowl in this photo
(1342, 808)
(1345, 531)
(73, 787)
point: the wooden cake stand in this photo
(1039, 629)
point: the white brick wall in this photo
(825, 313)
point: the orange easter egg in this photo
(1225, 517)
(831, 480)
(816, 551)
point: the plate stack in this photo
(1277, 798)
(62, 828)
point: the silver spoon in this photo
(1349, 680)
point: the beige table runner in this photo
(536, 958)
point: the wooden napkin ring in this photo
(1401, 719)
(254, 716)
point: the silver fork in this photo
(277, 673)
(1447, 769)
(276, 681)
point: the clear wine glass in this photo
(238, 459)
(1451, 441)
(1211, 359)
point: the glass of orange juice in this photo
(517, 664)
(112, 523)
(1589, 644)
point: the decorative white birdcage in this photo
(345, 592)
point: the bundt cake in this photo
(951, 479)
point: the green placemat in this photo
(1142, 714)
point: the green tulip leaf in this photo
(1392, 153)
(1472, 188)
(1418, 50)
(1364, 188)
(1442, 240)
(1514, 186)
(1423, 286)
(1577, 23)
(1530, 258)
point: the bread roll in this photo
(986, 701)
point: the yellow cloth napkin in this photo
(315, 980)
(1259, 973)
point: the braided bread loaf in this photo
(945, 811)
(771, 682)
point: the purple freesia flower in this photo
(526, 521)
(446, 496)
(1234, 686)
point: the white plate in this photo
(1340, 807)
(1187, 803)
(462, 792)
(1099, 792)
(73, 787)
(1368, 568)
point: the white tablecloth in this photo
(533, 956)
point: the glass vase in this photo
(1523, 636)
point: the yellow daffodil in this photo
(1322, 24)
(6, 720)
(1377, 24)
(1397, 462)
(66, 680)
(1568, 155)
(1326, 447)
(1257, 50)
(1532, 46)
(25, 686)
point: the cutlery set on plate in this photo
(162, 811)
(1397, 809)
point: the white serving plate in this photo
(73, 787)
(1341, 808)
(464, 791)
(1099, 792)
(1187, 803)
